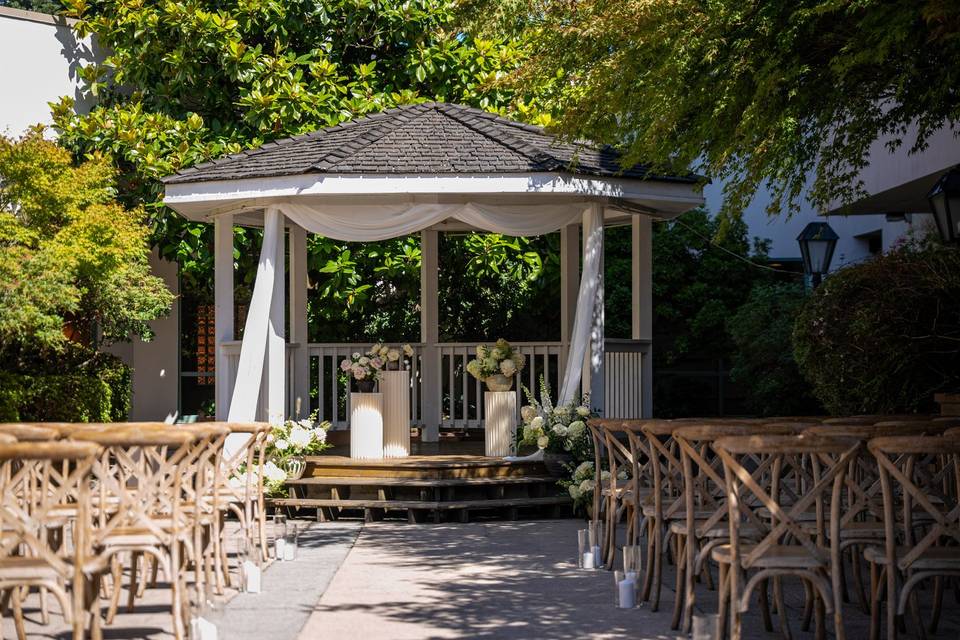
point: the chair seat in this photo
(131, 537)
(21, 568)
(650, 511)
(747, 532)
(777, 557)
(934, 558)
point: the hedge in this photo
(94, 389)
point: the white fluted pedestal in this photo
(366, 425)
(395, 387)
(500, 422)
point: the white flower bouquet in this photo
(364, 369)
(287, 444)
(557, 429)
(500, 359)
(393, 358)
(583, 482)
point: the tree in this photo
(72, 260)
(758, 94)
(40, 6)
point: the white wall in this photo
(41, 57)
(783, 231)
(39, 61)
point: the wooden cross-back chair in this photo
(241, 480)
(623, 498)
(705, 523)
(920, 480)
(606, 499)
(139, 502)
(785, 546)
(37, 478)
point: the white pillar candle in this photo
(278, 548)
(632, 576)
(252, 576)
(588, 560)
(628, 593)
(289, 551)
(202, 629)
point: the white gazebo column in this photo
(569, 286)
(430, 334)
(642, 303)
(276, 356)
(223, 308)
(298, 321)
(594, 361)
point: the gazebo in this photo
(425, 168)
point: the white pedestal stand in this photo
(366, 425)
(500, 422)
(395, 388)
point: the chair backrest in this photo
(30, 431)
(919, 475)
(820, 462)
(35, 478)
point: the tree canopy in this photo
(71, 258)
(783, 95)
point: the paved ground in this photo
(396, 581)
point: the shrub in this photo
(763, 361)
(883, 336)
(75, 385)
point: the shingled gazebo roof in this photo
(428, 138)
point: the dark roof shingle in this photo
(428, 138)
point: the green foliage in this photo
(761, 330)
(884, 335)
(78, 385)
(756, 94)
(698, 283)
(189, 81)
(70, 256)
(40, 6)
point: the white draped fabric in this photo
(368, 223)
(586, 299)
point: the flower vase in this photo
(367, 385)
(294, 467)
(499, 382)
(557, 463)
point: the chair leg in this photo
(176, 592)
(807, 606)
(679, 542)
(781, 608)
(723, 606)
(657, 566)
(18, 614)
(765, 606)
(134, 568)
(820, 625)
(876, 583)
(937, 603)
(648, 571)
(689, 593)
(116, 577)
(856, 561)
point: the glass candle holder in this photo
(581, 546)
(279, 535)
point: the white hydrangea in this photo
(320, 435)
(587, 486)
(507, 368)
(496, 353)
(543, 442)
(574, 491)
(560, 430)
(576, 429)
(604, 476)
(306, 423)
(537, 422)
(274, 473)
(527, 413)
(364, 360)
(375, 349)
(583, 411)
(623, 475)
(300, 437)
(281, 444)
(393, 355)
(584, 470)
(355, 355)
(408, 351)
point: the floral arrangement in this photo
(498, 359)
(393, 357)
(363, 367)
(583, 482)
(291, 439)
(557, 429)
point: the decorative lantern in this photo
(817, 242)
(945, 204)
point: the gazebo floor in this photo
(437, 487)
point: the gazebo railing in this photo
(458, 394)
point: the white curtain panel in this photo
(369, 223)
(582, 322)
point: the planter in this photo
(294, 466)
(556, 464)
(365, 386)
(499, 382)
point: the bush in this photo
(883, 336)
(76, 385)
(763, 361)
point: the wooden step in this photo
(429, 505)
(422, 467)
(374, 481)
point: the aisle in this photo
(481, 580)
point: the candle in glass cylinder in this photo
(588, 560)
(628, 593)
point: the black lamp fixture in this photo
(945, 203)
(817, 242)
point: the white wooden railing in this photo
(459, 395)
